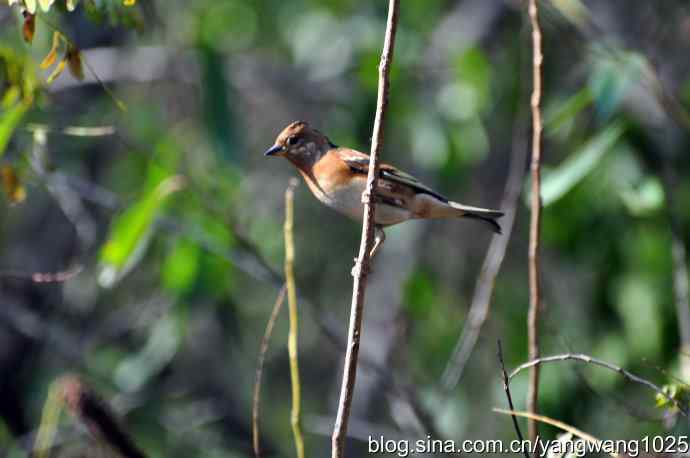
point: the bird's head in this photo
(300, 144)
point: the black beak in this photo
(273, 150)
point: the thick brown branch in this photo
(535, 222)
(362, 265)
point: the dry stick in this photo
(362, 265)
(558, 424)
(292, 308)
(597, 362)
(256, 398)
(535, 222)
(481, 301)
(506, 387)
(90, 410)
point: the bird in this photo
(337, 177)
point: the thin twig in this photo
(597, 362)
(535, 223)
(481, 300)
(558, 424)
(506, 387)
(256, 398)
(362, 265)
(43, 277)
(294, 322)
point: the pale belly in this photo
(348, 201)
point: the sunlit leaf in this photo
(131, 232)
(30, 6)
(46, 4)
(129, 2)
(71, 4)
(13, 188)
(644, 199)
(557, 182)
(57, 71)
(52, 55)
(73, 57)
(29, 27)
(9, 120)
(677, 392)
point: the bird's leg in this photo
(379, 238)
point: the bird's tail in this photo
(485, 215)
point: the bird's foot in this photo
(355, 269)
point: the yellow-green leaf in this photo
(45, 4)
(59, 68)
(10, 97)
(29, 27)
(129, 2)
(9, 120)
(71, 5)
(30, 6)
(11, 184)
(52, 55)
(132, 231)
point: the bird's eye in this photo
(292, 141)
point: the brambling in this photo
(337, 177)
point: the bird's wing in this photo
(359, 163)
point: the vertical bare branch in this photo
(260, 369)
(362, 264)
(535, 222)
(506, 387)
(292, 309)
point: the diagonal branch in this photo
(362, 265)
(597, 362)
(535, 222)
(481, 300)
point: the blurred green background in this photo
(148, 176)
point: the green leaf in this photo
(161, 347)
(180, 268)
(131, 232)
(559, 181)
(9, 120)
(612, 75)
(567, 110)
(644, 199)
(46, 4)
